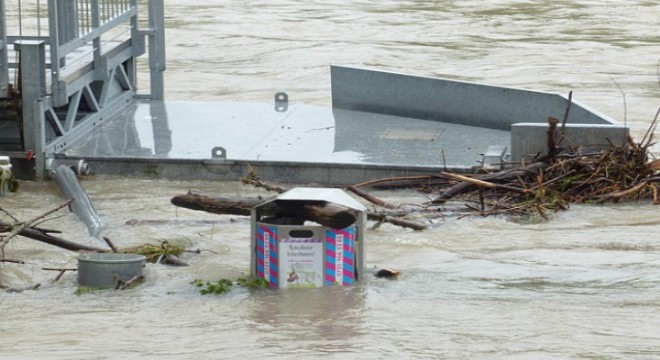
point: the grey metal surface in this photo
(525, 144)
(305, 133)
(451, 101)
(307, 143)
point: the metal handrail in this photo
(71, 25)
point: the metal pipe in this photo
(70, 188)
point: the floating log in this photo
(331, 215)
(215, 204)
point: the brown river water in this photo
(584, 285)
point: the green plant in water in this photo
(219, 287)
(152, 252)
(87, 289)
(252, 282)
(224, 285)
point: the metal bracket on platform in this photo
(494, 158)
(219, 152)
(281, 102)
(79, 167)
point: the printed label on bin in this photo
(340, 256)
(301, 263)
(267, 254)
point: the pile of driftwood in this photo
(562, 176)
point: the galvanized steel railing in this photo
(75, 32)
(73, 65)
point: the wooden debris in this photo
(387, 273)
(60, 272)
(35, 234)
(27, 288)
(110, 244)
(173, 260)
(18, 228)
(134, 281)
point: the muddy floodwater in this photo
(584, 285)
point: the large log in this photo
(215, 204)
(331, 215)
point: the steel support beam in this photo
(157, 47)
(4, 66)
(33, 87)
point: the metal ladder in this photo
(67, 66)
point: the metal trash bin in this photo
(291, 253)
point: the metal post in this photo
(96, 22)
(157, 48)
(67, 24)
(33, 90)
(39, 133)
(56, 62)
(4, 67)
(33, 83)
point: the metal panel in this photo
(450, 101)
(528, 140)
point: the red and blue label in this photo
(340, 256)
(267, 254)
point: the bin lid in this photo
(336, 196)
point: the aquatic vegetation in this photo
(224, 285)
(82, 290)
(252, 282)
(216, 288)
(156, 253)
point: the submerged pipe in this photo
(70, 188)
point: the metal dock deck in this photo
(303, 144)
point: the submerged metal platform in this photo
(304, 144)
(381, 125)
